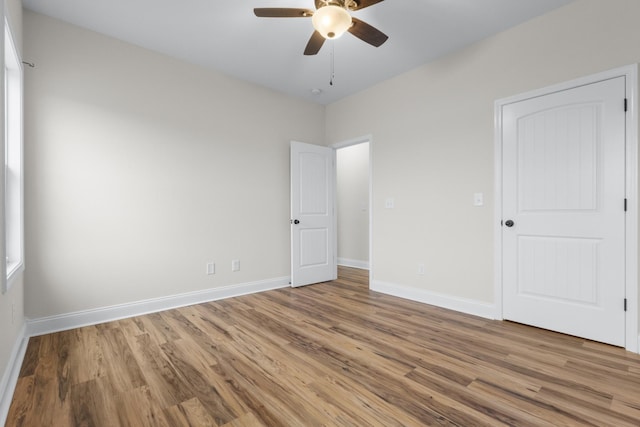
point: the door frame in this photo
(355, 141)
(630, 73)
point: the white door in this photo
(564, 211)
(313, 220)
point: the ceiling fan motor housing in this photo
(346, 4)
(331, 21)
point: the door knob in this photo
(295, 221)
(509, 223)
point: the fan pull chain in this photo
(333, 65)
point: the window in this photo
(14, 234)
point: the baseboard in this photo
(468, 306)
(79, 319)
(10, 376)
(364, 265)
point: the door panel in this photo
(315, 250)
(558, 269)
(564, 190)
(557, 154)
(313, 237)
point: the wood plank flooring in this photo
(332, 354)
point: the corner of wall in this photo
(463, 305)
(10, 376)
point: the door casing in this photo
(631, 220)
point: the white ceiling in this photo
(227, 36)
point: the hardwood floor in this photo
(331, 354)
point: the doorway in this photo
(353, 200)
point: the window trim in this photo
(14, 129)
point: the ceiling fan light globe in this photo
(331, 21)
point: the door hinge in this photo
(625, 304)
(626, 104)
(625, 205)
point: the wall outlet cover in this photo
(478, 199)
(389, 203)
(211, 268)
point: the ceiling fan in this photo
(330, 20)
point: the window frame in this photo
(14, 166)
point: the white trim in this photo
(630, 72)
(10, 376)
(350, 142)
(346, 262)
(497, 211)
(13, 62)
(370, 207)
(632, 342)
(463, 305)
(79, 319)
(14, 271)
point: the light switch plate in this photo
(478, 199)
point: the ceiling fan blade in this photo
(315, 43)
(361, 4)
(282, 12)
(367, 33)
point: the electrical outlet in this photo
(235, 265)
(421, 269)
(211, 268)
(389, 203)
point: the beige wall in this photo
(352, 170)
(141, 168)
(434, 139)
(11, 302)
